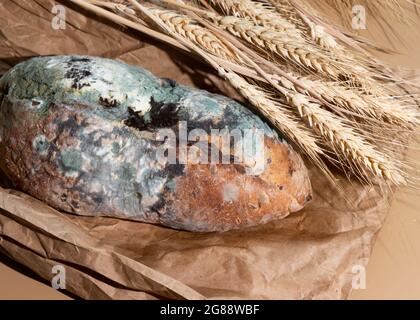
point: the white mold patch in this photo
(230, 192)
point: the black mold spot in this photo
(139, 196)
(78, 72)
(108, 103)
(280, 187)
(97, 143)
(161, 115)
(308, 198)
(175, 170)
(158, 206)
(41, 145)
(97, 198)
(76, 59)
(106, 81)
(134, 120)
(137, 193)
(206, 125)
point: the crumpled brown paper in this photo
(309, 255)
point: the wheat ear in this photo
(277, 43)
(337, 64)
(277, 14)
(384, 109)
(320, 36)
(342, 138)
(261, 15)
(187, 28)
(354, 148)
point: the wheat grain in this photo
(277, 43)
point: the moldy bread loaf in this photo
(80, 133)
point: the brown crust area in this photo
(222, 197)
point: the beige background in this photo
(394, 268)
